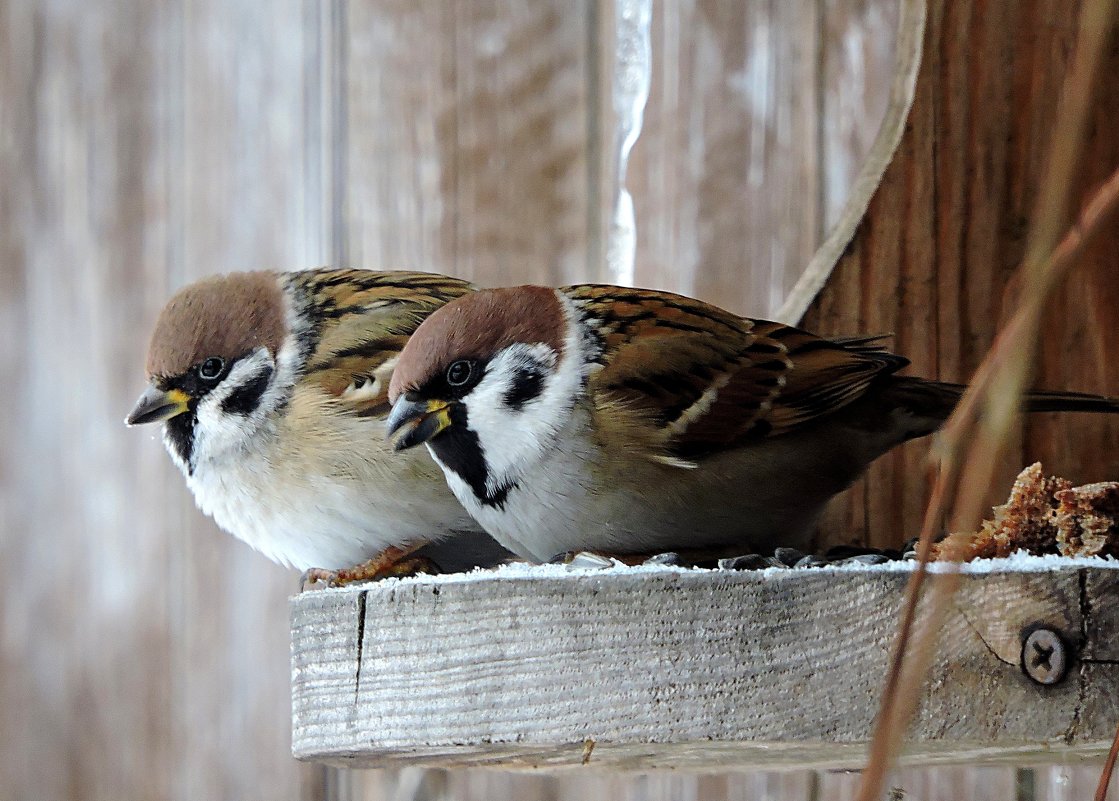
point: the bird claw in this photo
(413, 566)
(390, 563)
(315, 575)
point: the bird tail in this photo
(937, 399)
(1044, 400)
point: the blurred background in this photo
(146, 143)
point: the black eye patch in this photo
(527, 384)
(246, 398)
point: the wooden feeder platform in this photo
(703, 669)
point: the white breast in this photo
(336, 498)
(549, 511)
(579, 497)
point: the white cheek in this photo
(515, 439)
(510, 437)
(218, 432)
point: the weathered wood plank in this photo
(731, 669)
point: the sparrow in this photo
(272, 388)
(629, 421)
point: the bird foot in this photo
(390, 563)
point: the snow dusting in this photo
(1020, 562)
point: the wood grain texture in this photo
(1070, 783)
(725, 175)
(468, 154)
(489, 152)
(759, 119)
(843, 210)
(1074, 781)
(740, 669)
(859, 67)
(933, 259)
(141, 648)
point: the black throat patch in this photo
(180, 434)
(460, 451)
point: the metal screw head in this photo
(1045, 657)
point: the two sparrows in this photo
(631, 421)
(588, 418)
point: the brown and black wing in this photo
(686, 378)
(362, 320)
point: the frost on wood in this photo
(671, 667)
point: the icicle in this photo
(632, 71)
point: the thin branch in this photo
(1108, 768)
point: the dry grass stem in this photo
(1108, 768)
(976, 435)
(978, 430)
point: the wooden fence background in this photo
(144, 143)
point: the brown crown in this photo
(226, 316)
(476, 326)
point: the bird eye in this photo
(459, 372)
(211, 368)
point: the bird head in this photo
(482, 383)
(211, 364)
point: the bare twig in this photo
(976, 434)
(1108, 768)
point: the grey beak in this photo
(424, 420)
(156, 405)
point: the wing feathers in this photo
(364, 319)
(706, 380)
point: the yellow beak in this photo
(424, 420)
(156, 405)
